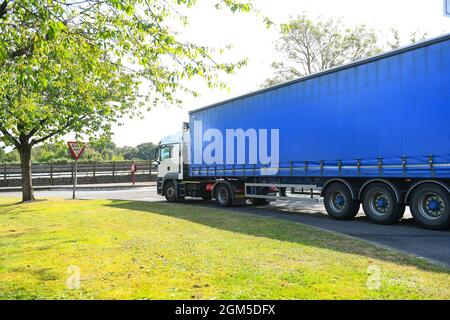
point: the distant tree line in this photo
(58, 152)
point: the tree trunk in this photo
(25, 162)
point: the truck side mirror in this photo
(155, 154)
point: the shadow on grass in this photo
(281, 230)
(10, 205)
(13, 205)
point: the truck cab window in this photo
(165, 153)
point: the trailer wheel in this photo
(430, 206)
(223, 195)
(380, 204)
(339, 203)
(170, 191)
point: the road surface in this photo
(405, 236)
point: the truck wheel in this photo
(430, 206)
(339, 203)
(380, 204)
(170, 191)
(223, 195)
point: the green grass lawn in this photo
(138, 250)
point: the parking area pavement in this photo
(405, 236)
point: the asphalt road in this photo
(405, 236)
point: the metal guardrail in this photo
(55, 171)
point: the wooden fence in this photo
(44, 174)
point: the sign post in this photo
(76, 149)
(75, 178)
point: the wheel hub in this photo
(380, 203)
(338, 201)
(170, 192)
(432, 206)
(223, 195)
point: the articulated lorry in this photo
(375, 133)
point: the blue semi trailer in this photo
(374, 132)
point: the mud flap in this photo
(239, 200)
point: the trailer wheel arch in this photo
(348, 184)
(415, 185)
(386, 182)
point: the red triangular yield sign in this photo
(76, 149)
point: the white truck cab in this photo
(169, 157)
(172, 158)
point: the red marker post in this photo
(133, 172)
(76, 150)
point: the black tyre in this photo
(430, 206)
(259, 201)
(170, 191)
(380, 204)
(339, 203)
(223, 195)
